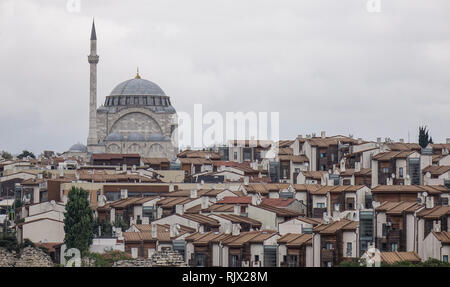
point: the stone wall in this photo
(29, 257)
(167, 258)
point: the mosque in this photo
(137, 117)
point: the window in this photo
(323, 154)
(329, 246)
(157, 101)
(348, 252)
(149, 211)
(235, 155)
(292, 262)
(200, 260)
(307, 230)
(445, 258)
(385, 170)
(235, 262)
(383, 230)
(256, 258)
(320, 205)
(400, 171)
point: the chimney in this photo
(193, 193)
(447, 140)
(172, 230)
(171, 187)
(124, 167)
(429, 202)
(237, 210)
(133, 169)
(401, 140)
(350, 136)
(313, 135)
(322, 134)
(179, 209)
(300, 136)
(236, 229)
(246, 180)
(205, 202)
(379, 141)
(61, 172)
(359, 140)
(154, 230)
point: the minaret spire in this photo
(93, 59)
(93, 33)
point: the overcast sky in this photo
(324, 65)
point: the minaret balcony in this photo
(93, 59)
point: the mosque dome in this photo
(78, 148)
(137, 87)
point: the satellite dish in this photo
(424, 194)
(53, 202)
(393, 175)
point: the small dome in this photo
(134, 137)
(156, 137)
(78, 148)
(137, 87)
(114, 137)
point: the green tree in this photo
(424, 137)
(25, 154)
(78, 221)
(6, 155)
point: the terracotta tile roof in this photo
(385, 156)
(295, 240)
(199, 154)
(264, 188)
(440, 146)
(285, 143)
(109, 156)
(332, 228)
(399, 146)
(351, 171)
(195, 161)
(247, 237)
(306, 187)
(202, 219)
(393, 257)
(314, 174)
(278, 202)
(325, 142)
(434, 213)
(171, 202)
(221, 208)
(443, 236)
(285, 151)
(235, 200)
(431, 189)
(281, 212)
(155, 160)
(240, 219)
(436, 170)
(293, 158)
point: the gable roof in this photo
(443, 236)
(393, 257)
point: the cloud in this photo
(324, 65)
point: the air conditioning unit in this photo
(245, 263)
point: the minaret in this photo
(93, 60)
